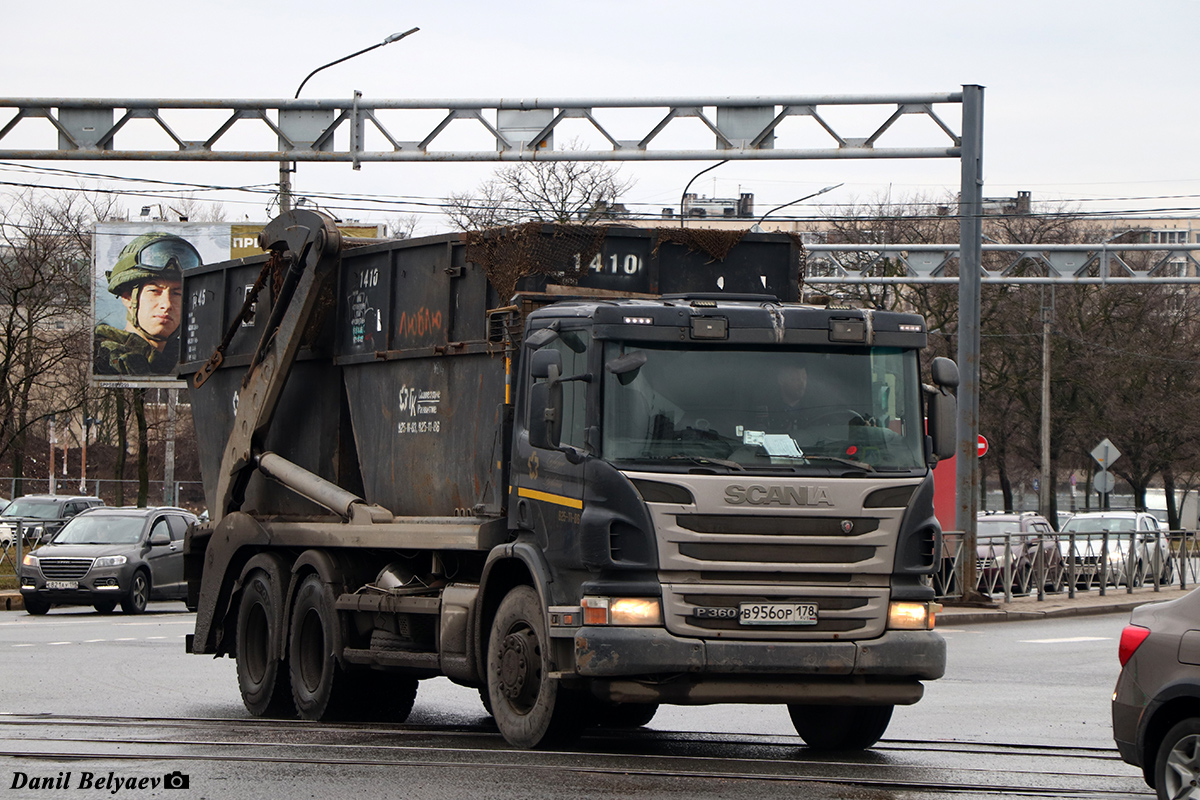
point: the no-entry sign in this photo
(982, 446)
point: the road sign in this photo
(1104, 482)
(982, 446)
(1105, 454)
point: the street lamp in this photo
(758, 225)
(285, 167)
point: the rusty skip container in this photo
(400, 393)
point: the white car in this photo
(1137, 545)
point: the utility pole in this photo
(1045, 493)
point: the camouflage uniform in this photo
(119, 352)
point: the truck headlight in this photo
(908, 616)
(110, 561)
(622, 611)
(30, 560)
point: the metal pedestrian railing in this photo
(1016, 565)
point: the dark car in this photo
(1016, 538)
(42, 515)
(106, 556)
(1156, 707)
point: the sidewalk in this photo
(1117, 600)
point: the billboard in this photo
(137, 294)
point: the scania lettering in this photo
(587, 471)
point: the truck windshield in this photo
(815, 410)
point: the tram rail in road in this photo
(229, 756)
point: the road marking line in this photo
(56, 643)
(27, 644)
(155, 637)
(127, 639)
(94, 641)
(1068, 640)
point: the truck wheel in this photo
(381, 696)
(134, 602)
(623, 715)
(839, 727)
(262, 674)
(531, 708)
(319, 685)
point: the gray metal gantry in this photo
(743, 128)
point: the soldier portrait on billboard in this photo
(148, 279)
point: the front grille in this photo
(65, 569)
(858, 612)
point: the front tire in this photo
(531, 708)
(262, 674)
(319, 684)
(36, 606)
(134, 602)
(1177, 763)
(105, 606)
(840, 727)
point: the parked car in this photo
(1156, 706)
(1025, 533)
(106, 556)
(42, 514)
(1137, 546)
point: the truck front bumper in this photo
(652, 665)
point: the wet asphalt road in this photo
(1023, 710)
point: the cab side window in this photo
(573, 347)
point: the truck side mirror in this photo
(545, 399)
(944, 373)
(942, 408)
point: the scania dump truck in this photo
(587, 471)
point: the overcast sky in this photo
(1087, 103)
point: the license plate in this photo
(777, 613)
(62, 584)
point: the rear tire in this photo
(262, 674)
(622, 715)
(1177, 762)
(380, 696)
(134, 602)
(320, 687)
(105, 607)
(840, 727)
(531, 708)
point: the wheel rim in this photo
(520, 669)
(1182, 773)
(139, 591)
(312, 651)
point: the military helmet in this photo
(149, 256)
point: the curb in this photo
(971, 617)
(11, 601)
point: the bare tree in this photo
(190, 208)
(541, 191)
(45, 276)
(402, 226)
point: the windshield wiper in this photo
(849, 462)
(703, 460)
